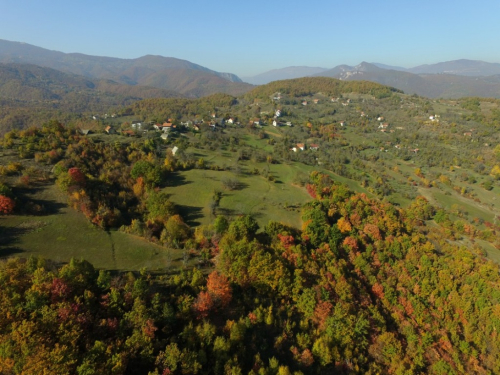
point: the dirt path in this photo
(113, 252)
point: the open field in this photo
(192, 192)
(64, 233)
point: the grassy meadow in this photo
(64, 233)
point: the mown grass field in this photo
(192, 191)
(64, 233)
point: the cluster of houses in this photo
(398, 147)
(302, 147)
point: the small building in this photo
(301, 146)
(136, 125)
(108, 129)
(173, 150)
(165, 127)
(289, 123)
(277, 113)
(164, 136)
(314, 147)
(316, 101)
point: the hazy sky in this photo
(247, 38)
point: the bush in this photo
(229, 183)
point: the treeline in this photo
(359, 290)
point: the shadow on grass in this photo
(33, 205)
(176, 179)
(190, 214)
(227, 212)
(42, 207)
(9, 236)
(235, 186)
(9, 251)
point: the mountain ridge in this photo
(126, 71)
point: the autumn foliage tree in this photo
(219, 289)
(77, 177)
(6, 205)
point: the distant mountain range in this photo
(184, 77)
(471, 68)
(152, 74)
(430, 85)
(452, 79)
(286, 73)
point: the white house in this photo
(277, 113)
(136, 125)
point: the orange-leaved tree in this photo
(219, 288)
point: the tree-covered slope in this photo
(361, 289)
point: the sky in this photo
(248, 38)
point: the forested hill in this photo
(362, 289)
(179, 107)
(35, 84)
(312, 85)
(31, 95)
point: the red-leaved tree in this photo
(6, 205)
(77, 176)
